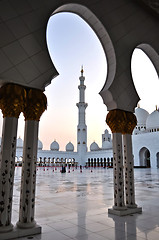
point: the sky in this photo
(71, 44)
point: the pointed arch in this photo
(144, 157)
(151, 53)
(89, 17)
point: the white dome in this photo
(19, 143)
(141, 115)
(40, 145)
(54, 146)
(153, 120)
(106, 145)
(69, 147)
(94, 146)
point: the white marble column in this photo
(36, 103)
(129, 171)
(119, 203)
(130, 123)
(115, 121)
(7, 166)
(28, 181)
(122, 123)
(11, 104)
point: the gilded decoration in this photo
(121, 121)
(12, 100)
(36, 104)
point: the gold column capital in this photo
(12, 99)
(36, 104)
(121, 121)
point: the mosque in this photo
(26, 69)
(145, 139)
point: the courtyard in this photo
(74, 205)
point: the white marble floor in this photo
(75, 205)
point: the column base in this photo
(125, 212)
(120, 208)
(26, 225)
(131, 205)
(20, 232)
(6, 228)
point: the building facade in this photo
(145, 140)
(96, 157)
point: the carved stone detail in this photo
(28, 179)
(36, 104)
(129, 171)
(121, 121)
(12, 100)
(118, 172)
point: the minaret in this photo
(81, 128)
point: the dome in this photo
(106, 145)
(106, 131)
(141, 115)
(40, 145)
(69, 147)
(94, 146)
(153, 120)
(19, 143)
(54, 146)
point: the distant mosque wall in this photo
(145, 138)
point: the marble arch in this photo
(151, 53)
(121, 26)
(87, 15)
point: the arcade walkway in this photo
(75, 205)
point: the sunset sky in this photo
(72, 43)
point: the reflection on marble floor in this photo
(75, 205)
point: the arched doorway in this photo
(157, 158)
(144, 157)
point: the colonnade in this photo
(55, 161)
(99, 162)
(49, 161)
(122, 124)
(15, 99)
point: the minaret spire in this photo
(82, 70)
(82, 127)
